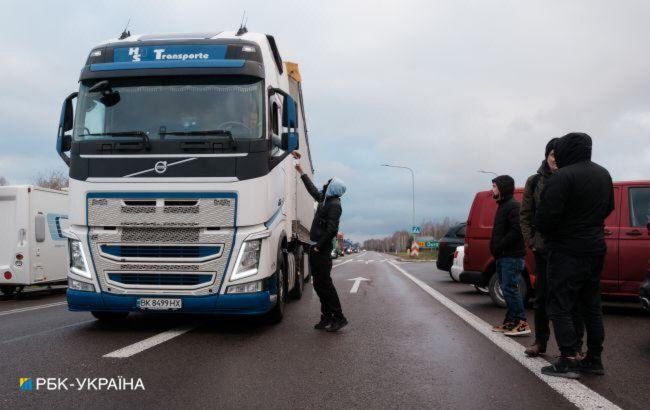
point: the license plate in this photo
(160, 303)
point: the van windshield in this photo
(162, 106)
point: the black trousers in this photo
(574, 288)
(320, 264)
(542, 328)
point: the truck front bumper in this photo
(236, 304)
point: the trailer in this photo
(183, 193)
(32, 246)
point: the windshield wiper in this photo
(121, 134)
(219, 133)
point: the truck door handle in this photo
(608, 232)
(635, 232)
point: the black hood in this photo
(572, 148)
(506, 186)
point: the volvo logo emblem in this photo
(160, 167)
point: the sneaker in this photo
(324, 322)
(535, 350)
(522, 329)
(336, 324)
(591, 365)
(563, 367)
(506, 327)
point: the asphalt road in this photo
(406, 346)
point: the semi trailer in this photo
(33, 249)
(183, 195)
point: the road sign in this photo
(415, 249)
(416, 230)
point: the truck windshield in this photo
(170, 108)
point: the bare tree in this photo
(52, 180)
(3, 181)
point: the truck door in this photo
(634, 256)
(609, 280)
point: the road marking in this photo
(44, 332)
(574, 391)
(342, 263)
(148, 343)
(28, 309)
(357, 282)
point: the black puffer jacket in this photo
(576, 200)
(326, 220)
(507, 240)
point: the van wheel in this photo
(494, 289)
(8, 290)
(277, 313)
(296, 292)
(110, 316)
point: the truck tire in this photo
(7, 290)
(110, 316)
(296, 292)
(277, 312)
(306, 266)
(494, 289)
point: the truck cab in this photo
(183, 196)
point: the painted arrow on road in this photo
(357, 282)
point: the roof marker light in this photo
(96, 53)
(248, 49)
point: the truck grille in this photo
(158, 251)
(160, 279)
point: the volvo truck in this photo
(33, 249)
(183, 194)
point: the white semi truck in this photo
(32, 246)
(183, 194)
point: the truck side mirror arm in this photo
(66, 120)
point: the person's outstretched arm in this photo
(313, 191)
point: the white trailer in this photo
(33, 250)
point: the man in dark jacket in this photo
(535, 241)
(507, 247)
(571, 216)
(323, 230)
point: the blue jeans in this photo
(509, 271)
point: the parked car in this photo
(644, 292)
(457, 268)
(627, 234)
(454, 237)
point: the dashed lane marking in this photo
(574, 391)
(28, 309)
(148, 343)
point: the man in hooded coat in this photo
(323, 230)
(571, 217)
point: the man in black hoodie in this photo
(507, 247)
(571, 216)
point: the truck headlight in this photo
(79, 285)
(248, 260)
(78, 263)
(250, 287)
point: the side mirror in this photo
(64, 141)
(289, 113)
(289, 141)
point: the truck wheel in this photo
(277, 313)
(296, 292)
(306, 266)
(110, 316)
(8, 290)
(494, 289)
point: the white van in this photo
(33, 249)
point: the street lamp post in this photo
(412, 184)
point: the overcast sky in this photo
(445, 87)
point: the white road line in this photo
(574, 391)
(342, 263)
(145, 344)
(27, 309)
